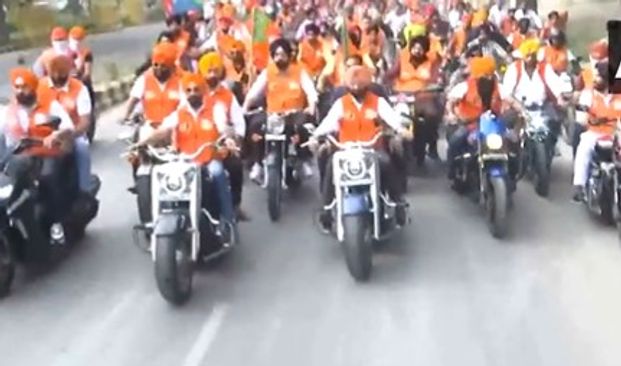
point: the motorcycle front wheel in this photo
(496, 203)
(541, 168)
(7, 266)
(173, 269)
(357, 245)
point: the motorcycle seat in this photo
(603, 149)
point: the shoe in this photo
(325, 222)
(578, 194)
(241, 215)
(132, 190)
(433, 153)
(57, 233)
(255, 173)
(401, 215)
(307, 169)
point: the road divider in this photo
(112, 93)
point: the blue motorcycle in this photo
(483, 169)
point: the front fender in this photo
(171, 223)
(496, 170)
(273, 158)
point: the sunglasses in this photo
(193, 90)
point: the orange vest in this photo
(458, 43)
(284, 90)
(159, 102)
(225, 43)
(182, 43)
(80, 60)
(242, 76)
(412, 79)
(359, 124)
(67, 98)
(192, 132)
(556, 58)
(40, 114)
(586, 79)
(311, 56)
(221, 95)
(601, 109)
(470, 107)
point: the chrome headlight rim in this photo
(494, 142)
(174, 182)
(275, 125)
(6, 191)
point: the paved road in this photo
(445, 293)
(125, 47)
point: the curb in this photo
(112, 93)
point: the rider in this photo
(311, 51)
(190, 126)
(468, 100)
(23, 117)
(286, 88)
(603, 109)
(521, 34)
(598, 52)
(60, 46)
(237, 69)
(83, 55)
(557, 54)
(73, 95)
(356, 117)
(415, 72)
(228, 114)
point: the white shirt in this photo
(259, 87)
(331, 122)
(454, 18)
(496, 15)
(535, 21)
(23, 118)
(531, 90)
(397, 22)
(83, 102)
(301, 32)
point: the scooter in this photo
(363, 212)
(484, 169)
(184, 232)
(24, 219)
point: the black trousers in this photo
(293, 125)
(389, 178)
(235, 166)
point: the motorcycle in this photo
(362, 210)
(24, 219)
(538, 148)
(484, 170)
(184, 232)
(282, 167)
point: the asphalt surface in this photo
(442, 293)
(125, 47)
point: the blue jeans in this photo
(83, 162)
(215, 170)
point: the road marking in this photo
(207, 336)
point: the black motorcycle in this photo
(24, 219)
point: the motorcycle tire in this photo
(606, 202)
(541, 169)
(274, 192)
(496, 207)
(357, 245)
(173, 274)
(90, 133)
(143, 198)
(7, 266)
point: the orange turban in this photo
(190, 80)
(164, 53)
(58, 34)
(78, 33)
(482, 66)
(21, 76)
(210, 61)
(60, 64)
(359, 76)
(479, 18)
(238, 46)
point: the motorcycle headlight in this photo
(275, 125)
(174, 182)
(6, 191)
(355, 168)
(493, 141)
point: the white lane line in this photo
(207, 336)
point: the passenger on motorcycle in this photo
(286, 88)
(603, 110)
(468, 100)
(227, 113)
(60, 46)
(237, 70)
(358, 116)
(557, 54)
(535, 83)
(83, 56)
(521, 34)
(26, 116)
(598, 52)
(73, 95)
(192, 125)
(311, 55)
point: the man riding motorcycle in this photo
(192, 125)
(357, 116)
(286, 88)
(26, 116)
(603, 110)
(468, 100)
(557, 54)
(226, 112)
(73, 95)
(415, 72)
(311, 55)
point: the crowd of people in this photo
(335, 63)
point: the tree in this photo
(4, 27)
